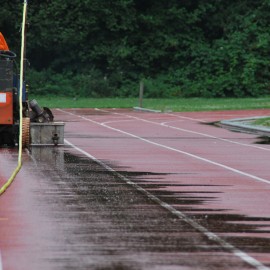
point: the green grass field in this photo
(165, 105)
(262, 122)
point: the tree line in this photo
(179, 48)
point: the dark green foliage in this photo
(98, 48)
(90, 84)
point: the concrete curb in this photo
(244, 125)
(145, 110)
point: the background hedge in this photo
(97, 48)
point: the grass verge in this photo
(165, 105)
(262, 122)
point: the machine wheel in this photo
(25, 132)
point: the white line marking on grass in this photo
(178, 151)
(211, 236)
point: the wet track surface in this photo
(67, 210)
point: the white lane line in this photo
(190, 131)
(173, 121)
(118, 121)
(210, 235)
(196, 119)
(1, 262)
(188, 118)
(254, 177)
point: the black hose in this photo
(8, 54)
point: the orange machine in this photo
(6, 85)
(3, 43)
(10, 104)
(6, 108)
(6, 92)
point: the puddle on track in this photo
(99, 222)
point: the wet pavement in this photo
(67, 210)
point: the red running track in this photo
(216, 179)
(185, 147)
(230, 169)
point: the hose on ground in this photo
(17, 169)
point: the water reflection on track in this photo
(99, 222)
